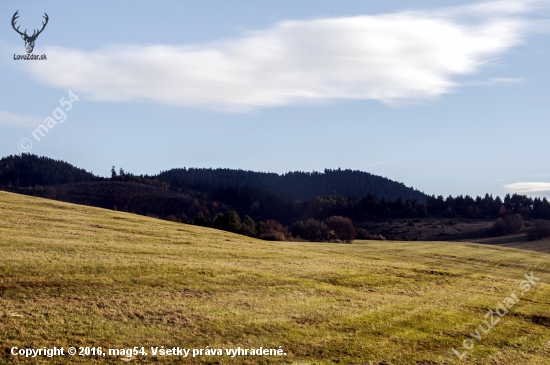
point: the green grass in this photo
(79, 276)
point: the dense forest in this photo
(254, 204)
(295, 185)
(466, 206)
(30, 170)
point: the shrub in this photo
(271, 230)
(298, 229)
(340, 228)
(172, 218)
(248, 227)
(233, 221)
(363, 234)
(508, 225)
(540, 229)
(200, 219)
(229, 221)
(184, 218)
(316, 231)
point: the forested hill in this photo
(296, 185)
(28, 170)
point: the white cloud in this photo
(392, 58)
(7, 118)
(501, 7)
(528, 188)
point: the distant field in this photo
(79, 276)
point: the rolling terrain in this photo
(82, 276)
(247, 202)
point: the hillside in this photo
(80, 276)
(258, 204)
(29, 170)
(297, 185)
(126, 196)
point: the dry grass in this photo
(79, 276)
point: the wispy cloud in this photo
(7, 118)
(393, 58)
(497, 7)
(495, 81)
(528, 188)
(506, 80)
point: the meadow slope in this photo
(80, 276)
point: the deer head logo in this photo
(29, 40)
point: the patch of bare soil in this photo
(518, 241)
(451, 229)
(430, 229)
(540, 245)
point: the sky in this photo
(448, 99)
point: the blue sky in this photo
(450, 100)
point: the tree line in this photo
(488, 207)
(295, 185)
(231, 199)
(27, 170)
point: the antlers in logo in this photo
(29, 40)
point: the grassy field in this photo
(79, 276)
